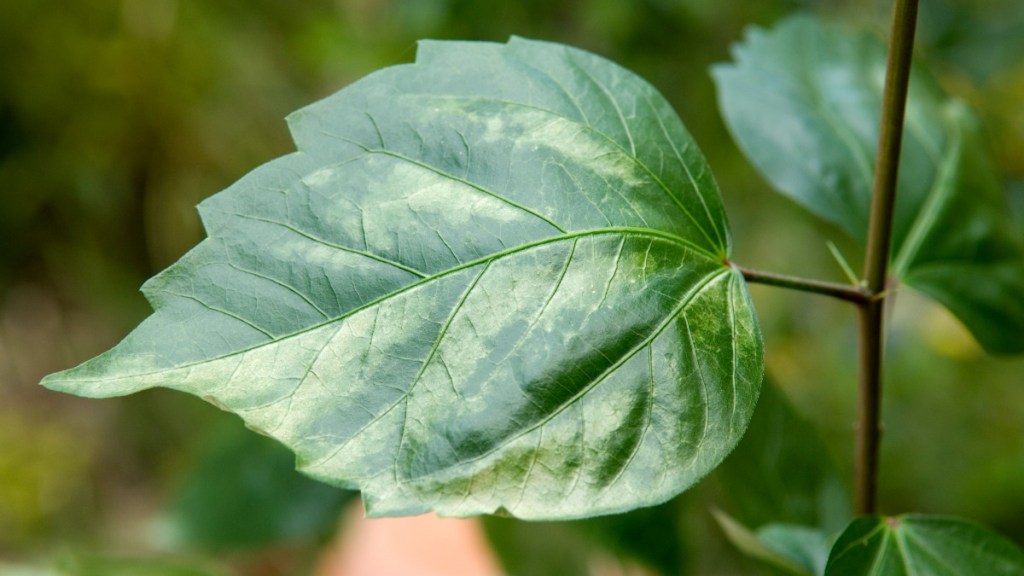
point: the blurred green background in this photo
(118, 116)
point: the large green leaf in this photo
(915, 545)
(803, 101)
(490, 281)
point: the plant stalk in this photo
(876, 261)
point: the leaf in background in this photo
(915, 545)
(654, 537)
(753, 546)
(782, 471)
(538, 548)
(245, 493)
(805, 546)
(963, 250)
(803, 101)
(489, 281)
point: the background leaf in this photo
(491, 281)
(753, 546)
(914, 545)
(806, 546)
(245, 493)
(655, 536)
(803, 102)
(783, 480)
(782, 471)
(538, 548)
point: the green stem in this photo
(876, 262)
(847, 292)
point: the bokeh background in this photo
(118, 116)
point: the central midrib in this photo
(627, 231)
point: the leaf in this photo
(914, 545)
(537, 548)
(782, 471)
(245, 493)
(805, 546)
(654, 538)
(803, 101)
(754, 547)
(490, 281)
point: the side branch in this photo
(848, 292)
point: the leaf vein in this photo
(610, 97)
(642, 232)
(284, 285)
(318, 240)
(686, 167)
(628, 355)
(425, 363)
(222, 311)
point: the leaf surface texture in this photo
(915, 545)
(489, 281)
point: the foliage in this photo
(469, 296)
(802, 101)
(232, 499)
(964, 162)
(782, 472)
(918, 545)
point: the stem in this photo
(869, 394)
(876, 262)
(847, 292)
